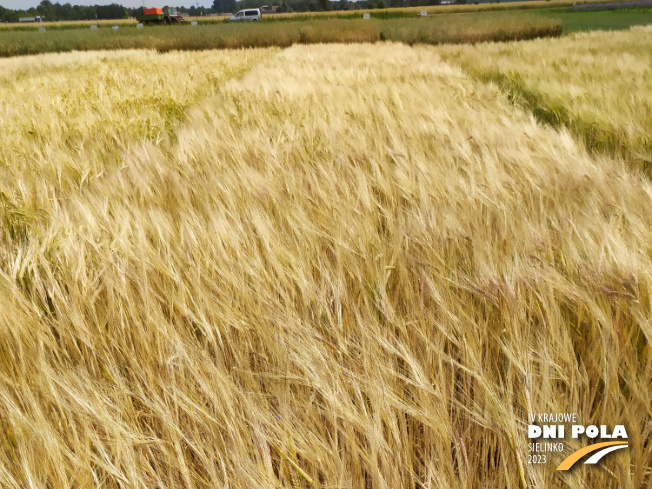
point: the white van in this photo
(249, 15)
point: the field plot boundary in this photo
(598, 136)
(597, 139)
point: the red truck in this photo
(166, 15)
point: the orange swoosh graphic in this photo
(575, 456)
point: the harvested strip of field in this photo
(595, 84)
(432, 30)
(351, 268)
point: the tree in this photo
(284, 6)
(381, 4)
(66, 12)
(113, 11)
(46, 10)
(224, 6)
(4, 13)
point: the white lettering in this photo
(549, 431)
(533, 431)
(603, 432)
(592, 431)
(577, 430)
(619, 431)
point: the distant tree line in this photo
(54, 12)
(49, 11)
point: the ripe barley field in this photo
(333, 266)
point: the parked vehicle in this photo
(29, 19)
(249, 15)
(165, 15)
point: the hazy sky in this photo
(25, 4)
